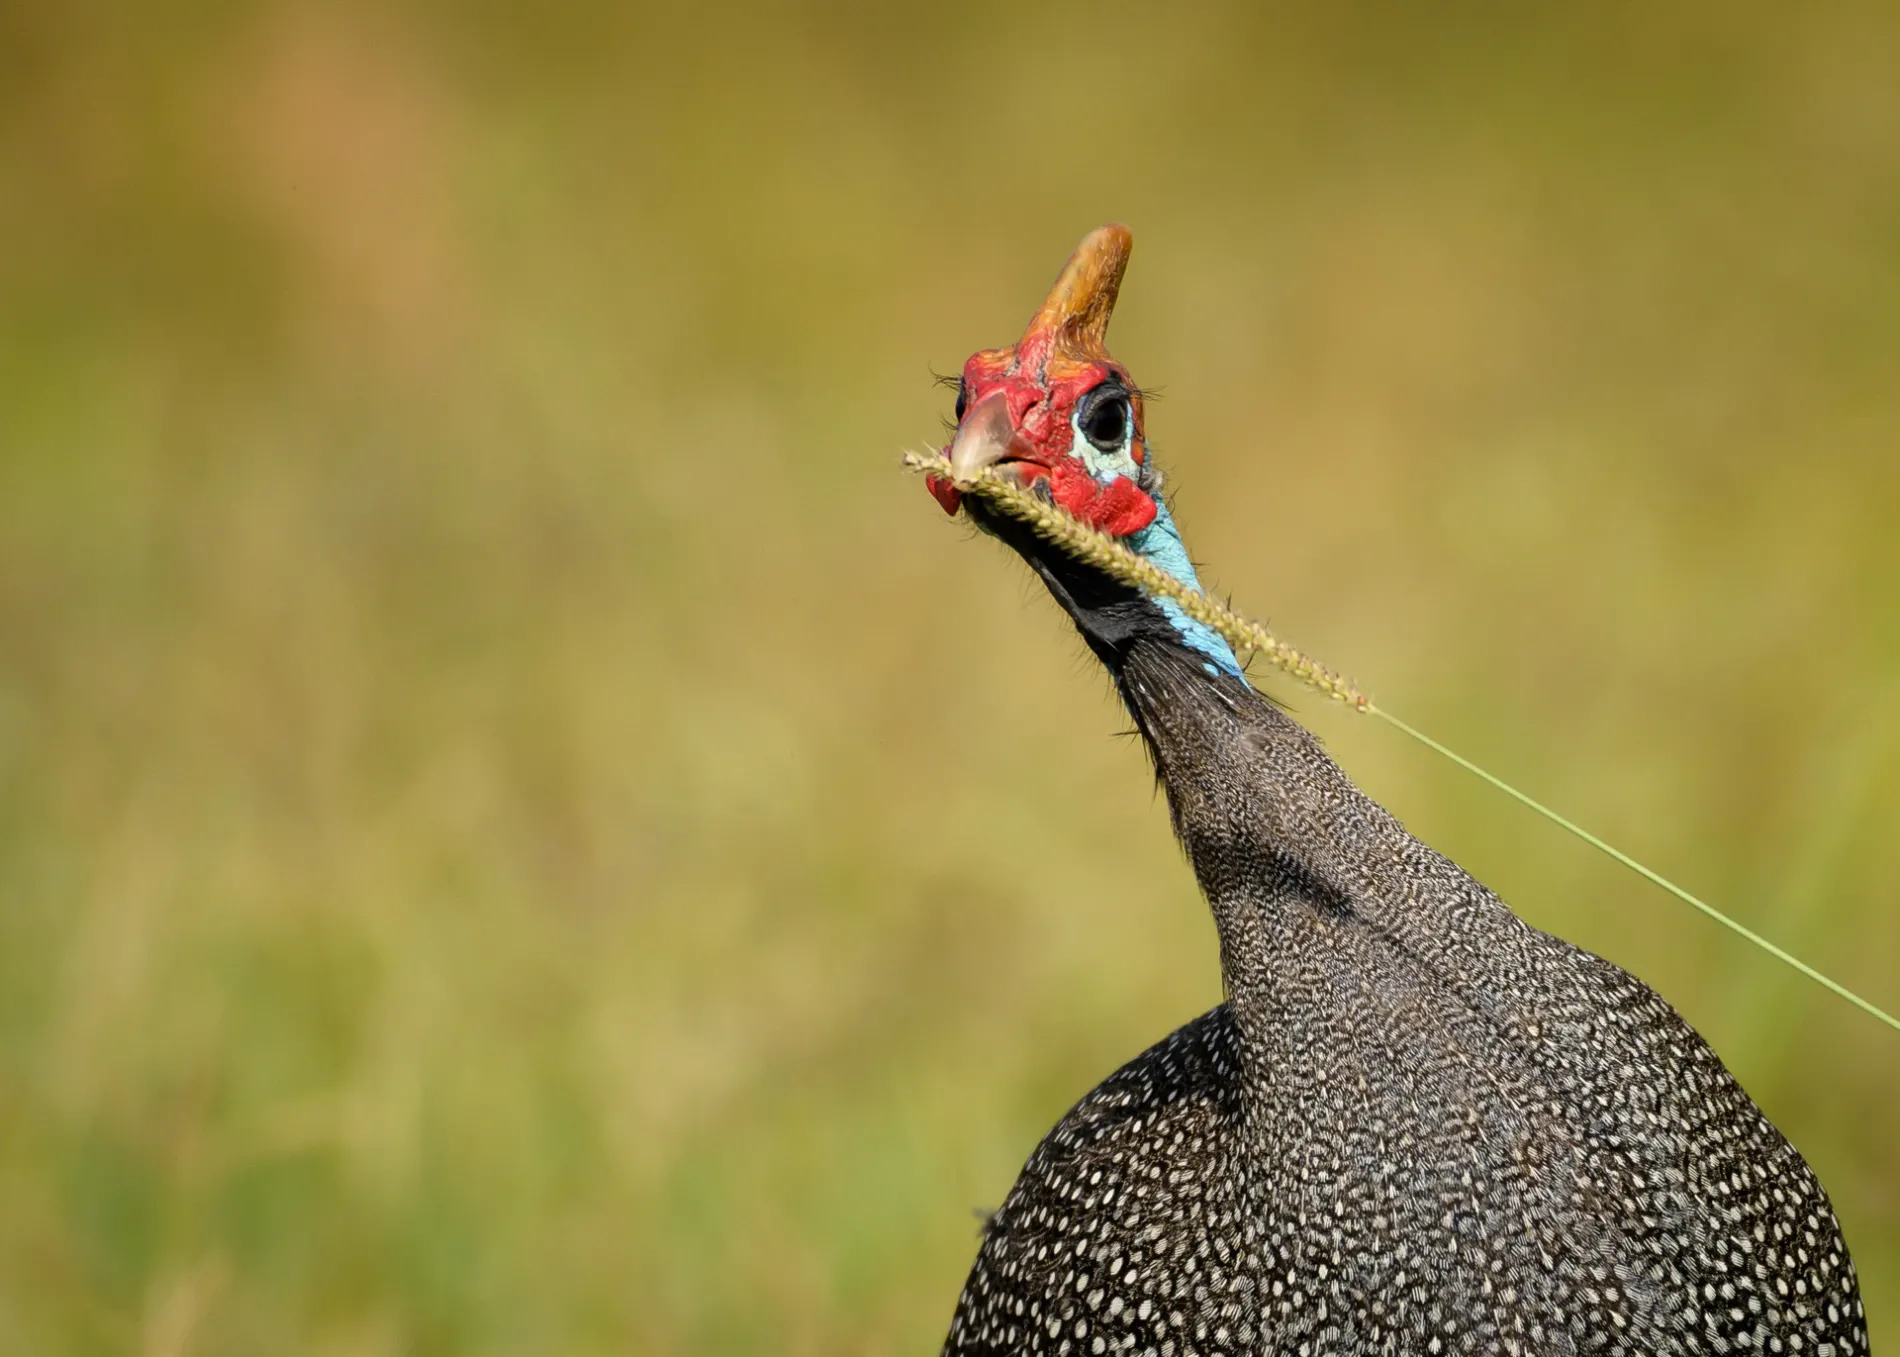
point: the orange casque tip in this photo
(1073, 319)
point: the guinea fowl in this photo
(1416, 1124)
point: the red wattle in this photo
(1123, 508)
(947, 494)
(1119, 508)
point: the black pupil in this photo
(1105, 421)
(963, 399)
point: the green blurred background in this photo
(522, 832)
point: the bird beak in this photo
(987, 438)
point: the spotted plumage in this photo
(1417, 1125)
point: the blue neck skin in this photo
(1161, 543)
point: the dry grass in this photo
(462, 884)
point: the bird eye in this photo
(963, 399)
(1104, 416)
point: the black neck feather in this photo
(1112, 616)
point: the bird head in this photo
(1060, 416)
(1054, 410)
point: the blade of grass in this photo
(1656, 877)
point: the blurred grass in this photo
(505, 841)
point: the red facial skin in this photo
(1041, 388)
